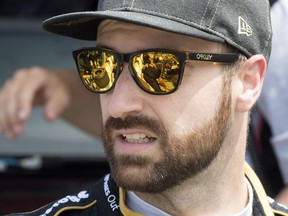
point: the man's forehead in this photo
(114, 25)
(160, 38)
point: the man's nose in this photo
(126, 98)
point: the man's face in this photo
(156, 142)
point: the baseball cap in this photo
(245, 24)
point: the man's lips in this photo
(133, 142)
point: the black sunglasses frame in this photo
(223, 58)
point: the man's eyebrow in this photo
(105, 47)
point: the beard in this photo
(182, 156)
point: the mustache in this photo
(131, 121)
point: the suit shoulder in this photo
(81, 201)
(277, 208)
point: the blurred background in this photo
(50, 160)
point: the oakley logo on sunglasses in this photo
(155, 71)
(206, 57)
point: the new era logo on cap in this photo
(243, 27)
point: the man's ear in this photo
(251, 78)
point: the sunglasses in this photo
(155, 71)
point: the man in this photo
(179, 151)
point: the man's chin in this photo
(132, 177)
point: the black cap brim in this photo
(84, 25)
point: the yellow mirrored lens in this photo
(157, 72)
(97, 70)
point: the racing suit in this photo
(105, 198)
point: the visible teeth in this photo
(136, 138)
